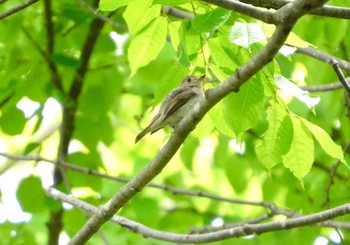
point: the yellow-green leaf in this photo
(300, 157)
(277, 138)
(325, 141)
(147, 44)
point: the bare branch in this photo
(340, 75)
(17, 8)
(323, 56)
(177, 13)
(175, 191)
(326, 10)
(324, 87)
(246, 9)
(242, 230)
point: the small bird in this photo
(176, 105)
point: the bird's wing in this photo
(175, 100)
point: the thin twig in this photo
(324, 87)
(340, 75)
(17, 8)
(171, 189)
(101, 16)
(176, 12)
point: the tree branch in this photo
(320, 219)
(246, 9)
(323, 56)
(175, 191)
(287, 16)
(340, 75)
(17, 8)
(70, 107)
(326, 11)
(324, 87)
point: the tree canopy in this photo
(263, 159)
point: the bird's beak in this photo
(201, 78)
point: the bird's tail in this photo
(142, 134)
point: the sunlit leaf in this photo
(210, 21)
(300, 156)
(110, 5)
(218, 118)
(325, 141)
(244, 35)
(277, 138)
(145, 46)
(140, 14)
(220, 56)
(242, 110)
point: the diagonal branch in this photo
(17, 8)
(287, 16)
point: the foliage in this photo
(267, 142)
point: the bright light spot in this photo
(51, 108)
(28, 106)
(45, 170)
(84, 192)
(287, 50)
(67, 206)
(321, 241)
(334, 236)
(119, 41)
(337, 124)
(217, 222)
(289, 88)
(77, 146)
(64, 238)
(237, 147)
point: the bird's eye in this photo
(189, 80)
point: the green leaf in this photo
(244, 35)
(217, 116)
(242, 110)
(210, 21)
(277, 138)
(300, 157)
(110, 5)
(190, 41)
(12, 120)
(220, 56)
(140, 14)
(325, 141)
(188, 151)
(170, 2)
(66, 60)
(31, 195)
(146, 46)
(173, 29)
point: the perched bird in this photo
(176, 104)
